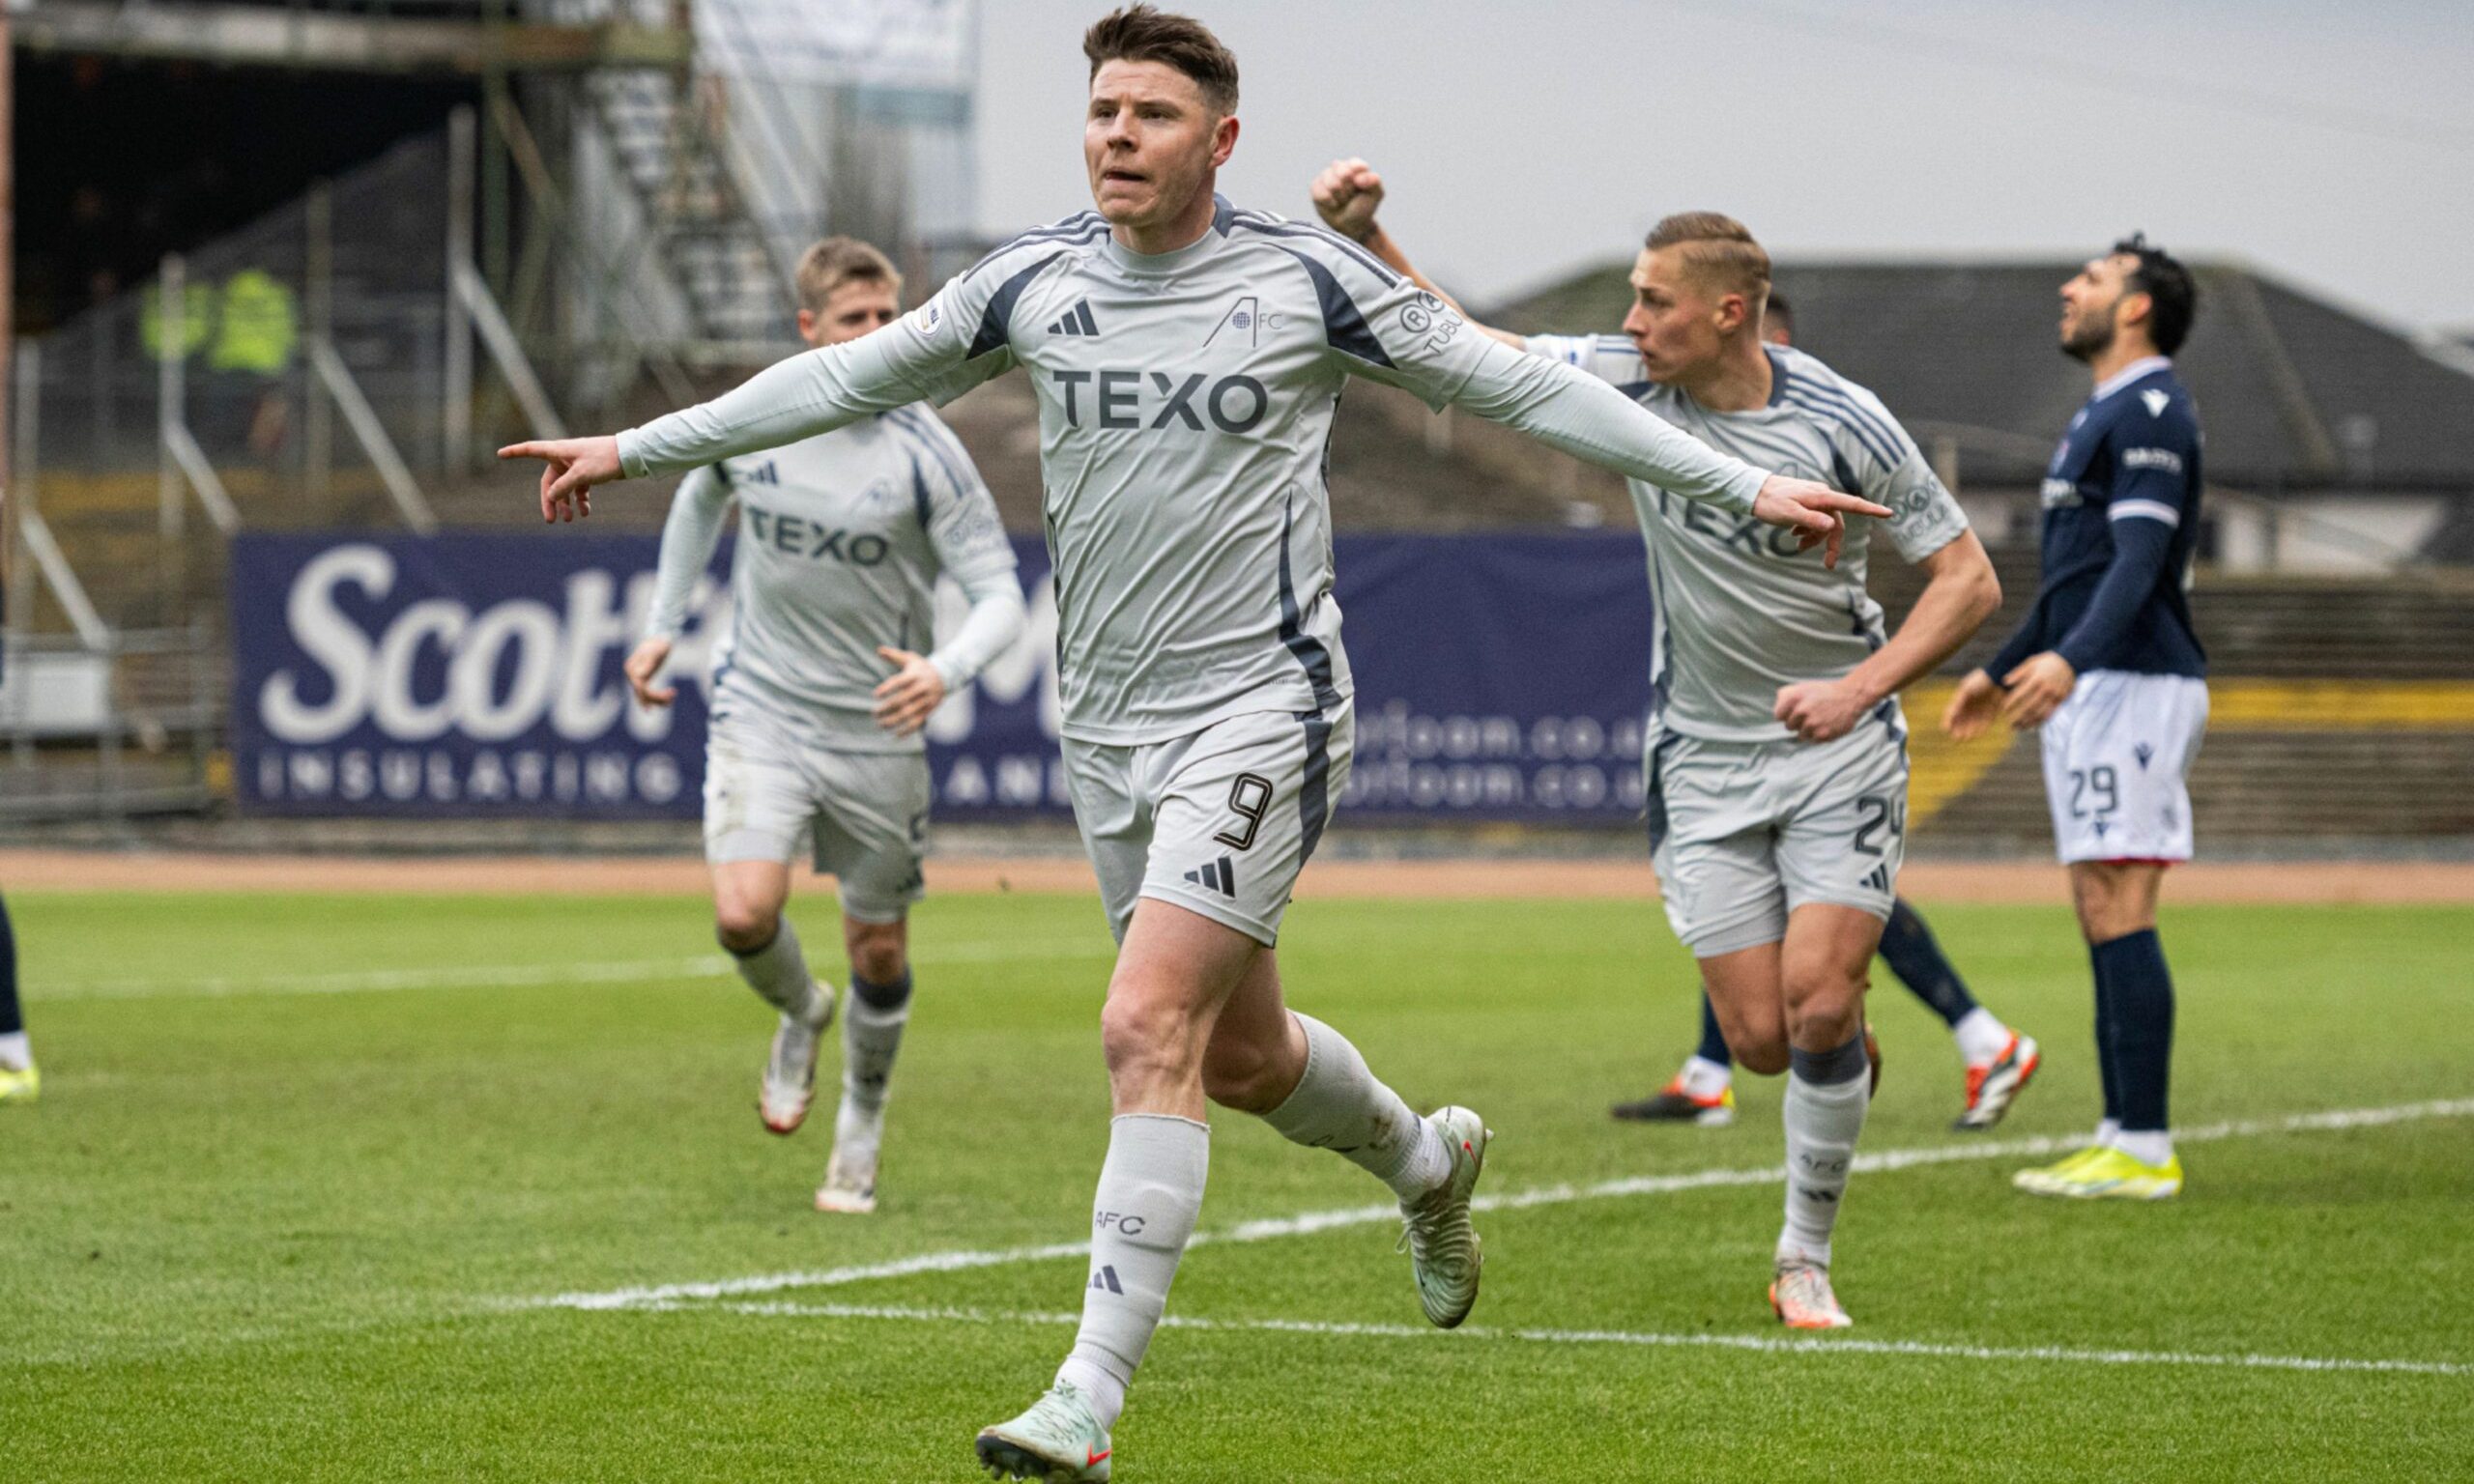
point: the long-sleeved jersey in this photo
(1186, 402)
(2121, 500)
(841, 538)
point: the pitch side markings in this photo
(1274, 1229)
(521, 976)
(1651, 1339)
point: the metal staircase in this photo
(665, 146)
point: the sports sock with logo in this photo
(779, 972)
(1143, 1216)
(1714, 1040)
(2132, 969)
(1823, 1111)
(1339, 1105)
(1909, 948)
(16, 1054)
(871, 1029)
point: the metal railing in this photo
(126, 727)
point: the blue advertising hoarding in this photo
(1500, 677)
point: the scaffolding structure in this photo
(607, 230)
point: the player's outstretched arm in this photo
(813, 392)
(1572, 411)
(1561, 406)
(1959, 592)
(1346, 194)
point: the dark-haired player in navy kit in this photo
(2109, 666)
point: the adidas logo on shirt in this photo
(1078, 321)
(1220, 875)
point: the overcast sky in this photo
(2332, 146)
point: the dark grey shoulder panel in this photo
(1000, 307)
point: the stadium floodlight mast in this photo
(1187, 356)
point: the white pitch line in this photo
(1764, 1344)
(1309, 1222)
(520, 976)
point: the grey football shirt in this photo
(841, 538)
(1736, 611)
(1186, 403)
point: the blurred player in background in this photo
(19, 1082)
(2109, 666)
(1776, 753)
(1188, 358)
(1998, 1061)
(841, 538)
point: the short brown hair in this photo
(1719, 251)
(1143, 33)
(836, 261)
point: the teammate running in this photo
(1776, 754)
(2109, 666)
(1188, 358)
(841, 538)
(1998, 1061)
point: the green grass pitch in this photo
(281, 1217)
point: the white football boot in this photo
(1443, 1247)
(789, 1083)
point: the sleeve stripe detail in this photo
(1857, 407)
(1269, 226)
(1833, 393)
(991, 333)
(921, 506)
(1344, 325)
(1072, 228)
(1799, 395)
(2143, 510)
(946, 450)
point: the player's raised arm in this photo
(1348, 194)
(1413, 337)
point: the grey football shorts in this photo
(1745, 833)
(865, 814)
(1219, 822)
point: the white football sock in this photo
(1339, 1105)
(1981, 1037)
(1703, 1077)
(870, 1040)
(2108, 1133)
(1823, 1111)
(779, 972)
(16, 1053)
(2147, 1147)
(1150, 1192)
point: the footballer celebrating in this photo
(2109, 668)
(1998, 1061)
(1776, 756)
(1188, 358)
(832, 583)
